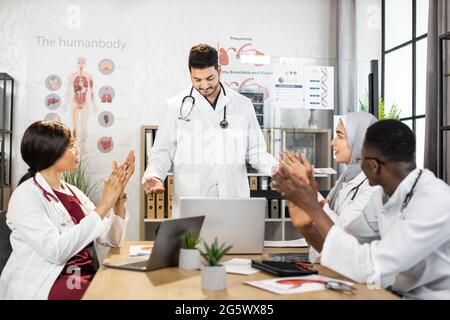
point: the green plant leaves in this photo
(394, 112)
(190, 240)
(78, 179)
(214, 253)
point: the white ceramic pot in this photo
(189, 259)
(214, 278)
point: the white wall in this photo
(368, 42)
(164, 31)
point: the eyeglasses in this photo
(370, 158)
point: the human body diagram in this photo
(81, 100)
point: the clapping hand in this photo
(297, 163)
(128, 166)
(299, 186)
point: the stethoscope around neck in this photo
(47, 195)
(405, 201)
(223, 124)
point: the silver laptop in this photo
(236, 221)
(166, 247)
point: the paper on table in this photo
(289, 243)
(239, 266)
(272, 285)
(140, 250)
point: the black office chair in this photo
(5, 244)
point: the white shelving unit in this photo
(316, 144)
(276, 228)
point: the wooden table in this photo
(176, 284)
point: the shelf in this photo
(319, 175)
(155, 220)
(6, 115)
(271, 194)
(278, 226)
(442, 170)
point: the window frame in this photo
(413, 42)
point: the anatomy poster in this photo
(247, 69)
(82, 78)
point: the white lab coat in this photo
(209, 161)
(346, 210)
(409, 251)
(44, 238)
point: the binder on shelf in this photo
(270, 183)
(253, 181)
(150, 198)
(151, 214)
(275, 209)
(160, 206)
(269, 140)
(264, 183)
(148, 144)
(169, 196)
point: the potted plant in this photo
(189, 255)
(78, 179)
(394, 112)
(213, 273)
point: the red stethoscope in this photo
(48, 195)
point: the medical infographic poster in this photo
(288, 86)
(83, 81)
(301, 83)
(245, 66)
(319, 87)
(247, 69)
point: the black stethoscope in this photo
(410, 194)
(407, 198)
(223, 124)
(356, 189)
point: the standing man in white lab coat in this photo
(408, 219)
(208, 133)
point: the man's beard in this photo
(211, 92)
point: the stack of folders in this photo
(273, 209)
(159, 206)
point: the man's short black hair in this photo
(203, 56)
(392, 139)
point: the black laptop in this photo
(167, 245)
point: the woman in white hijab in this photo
(352, 191)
